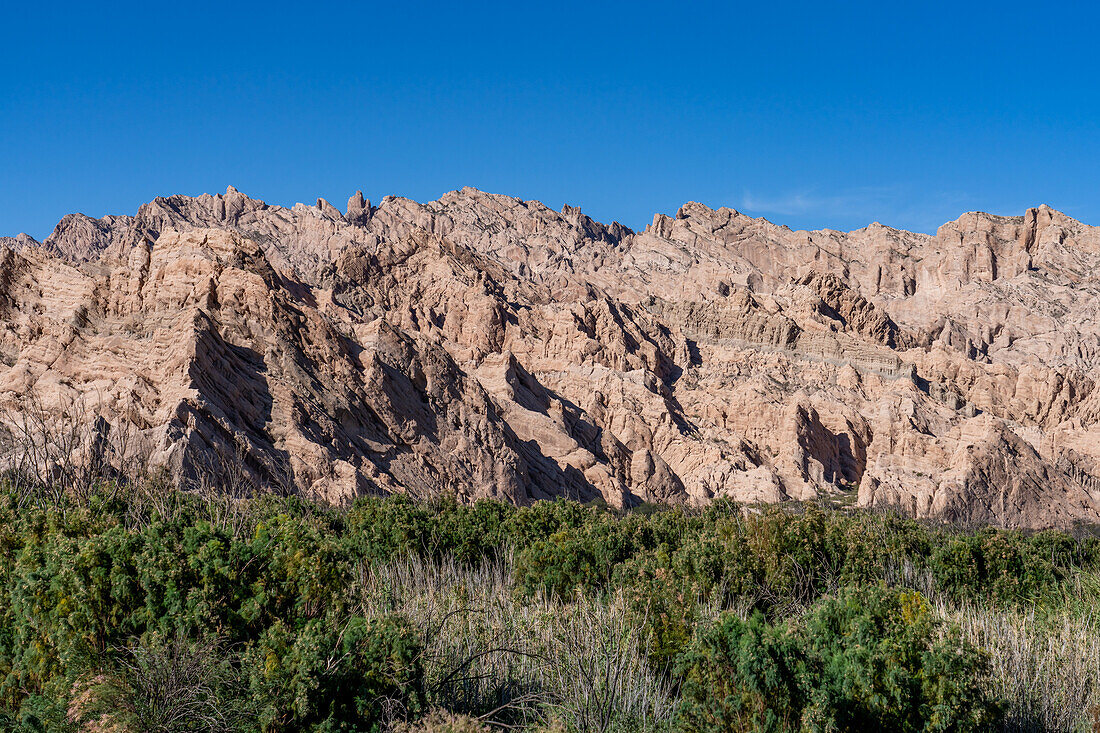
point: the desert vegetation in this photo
(136, 606)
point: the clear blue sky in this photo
(812, 114)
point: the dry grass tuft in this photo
(499, 658)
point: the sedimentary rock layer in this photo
(484, 346)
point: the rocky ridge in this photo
(484, 346)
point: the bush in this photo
(280, 582)
(874, 658)
(661, 604)
(165, 685)
(560, 565)
(1005, 566)
(337, 676)
(742, 676)
(879, 657)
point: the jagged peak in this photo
(700, 211)
(358, 210)
(19, 241)
(688, 210)
(569, 213)
(873, 228)
(469, 192)
(1055, 215)
(1030, 215)
(697, 211)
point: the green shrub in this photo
(336, 675)
(467, 533)
(878, 657)
(378, 529)
(1000, 565)
(742, 676)
(873, 658)
(279, 581)
(560, 565)
(661, 603)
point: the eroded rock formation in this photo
(484, 346)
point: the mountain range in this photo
(482, 346)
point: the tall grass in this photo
(1046, 669)
(1045, 659)
(511, 660)
(497, 656)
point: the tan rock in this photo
(484, 346)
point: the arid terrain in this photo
(484, 346)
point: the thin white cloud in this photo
(856, 207)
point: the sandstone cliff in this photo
(484, 346)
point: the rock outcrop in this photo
(484, 346)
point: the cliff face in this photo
(484, 346)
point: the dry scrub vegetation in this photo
(128, 604)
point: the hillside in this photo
(481, 346)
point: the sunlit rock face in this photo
(484, 346)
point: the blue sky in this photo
(811, 114)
